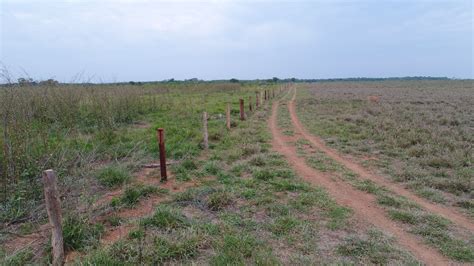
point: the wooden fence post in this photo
(250, 103)
(257, 101)
(227, 114)
(206, 135)
(273, 93)
(53, 207)
(161, 144)
(242, 111)
(265, 95)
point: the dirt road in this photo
(443, 211)
(363, 204)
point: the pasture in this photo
(359, 172)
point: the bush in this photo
(132, 195)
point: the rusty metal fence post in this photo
(161, 145)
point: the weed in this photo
(21, 257)
(79, 233)
(284, 225)
(114, 220)
(403, 216)
(165, 250)
(136, 234)
(389, 201)
(219, 200)
(166, 218)
(212, 167)
(113, 176)
(287, 185)
(375, 249)
(234, 249)
(263, 174)
(133, 194)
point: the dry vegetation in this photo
(238, 203)
(420, 133)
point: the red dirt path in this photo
(364, 206)
(443, 211)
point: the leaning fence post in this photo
(250, 103)
(265, 95)
(161, 145)
(227, 114)
(242, 111)
(204, 125)
(53, 207)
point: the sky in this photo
(125, 40)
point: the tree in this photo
(25, 81)
(233, 80)
(49, 82)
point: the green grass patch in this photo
(79, 233)
(132, 195)
(218, 200)
(113, 176)
(166, 217)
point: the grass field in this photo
(419, 133)
(240, 202)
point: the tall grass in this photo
(49, 127)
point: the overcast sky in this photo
(154, 40)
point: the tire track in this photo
(363, 204)
(445, 212)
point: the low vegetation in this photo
(435, 230)
(237, 203)
(418, 132)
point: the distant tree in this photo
(233, 80)
(49, 83)
(275, 79)
(293, 79)
(25, 82)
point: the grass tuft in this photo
(166, 218)
(79, 233)
(113, 176)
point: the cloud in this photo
(196, 37)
